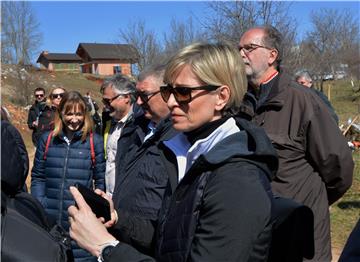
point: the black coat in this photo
(14, 159)
(34, 113)
(45, 121)
(221, 209)
(142, 176)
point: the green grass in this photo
(345, 101)
(346, 212)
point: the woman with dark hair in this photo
(69, 154)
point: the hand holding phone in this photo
(99, 205)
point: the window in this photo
(117, 69)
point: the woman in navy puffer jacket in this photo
(67, 161)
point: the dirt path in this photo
(31, 154)
(336, 254)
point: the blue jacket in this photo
(64, 166)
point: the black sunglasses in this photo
(146, 97)
(39, 95)
(53, 96)
(108, 101)
(182, 94)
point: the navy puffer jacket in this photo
(65, 165)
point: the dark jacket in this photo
(221, 209)
(23, 219)
(64, 166)
(315, 163)
(14, 159)
(34, 113)
(45, 121)
(327, 103)
(141, 179)
(351, 251)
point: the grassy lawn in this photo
(346, 212)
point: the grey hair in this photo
(121, 85)
(156, 71)
(273, 39)
(303, 73)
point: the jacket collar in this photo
(250, 144)
(77, 135)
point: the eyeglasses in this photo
(251, 47)
(183, 94)
(146, 97)
(40, 95)
(108, 101)
(54, 96)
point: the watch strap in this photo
(104, 246)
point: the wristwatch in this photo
(106, 250)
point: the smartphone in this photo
(99, 205)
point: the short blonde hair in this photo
(214, 64)
(68, 102)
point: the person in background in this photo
(315, 163)
(35, 111)
(64, 157)
(47, 112)
(303, 77)
(118, 96)
(93, 109)
(221, 208)
(142, 171)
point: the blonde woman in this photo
(46, 116)
(221, 208)
(69, 154)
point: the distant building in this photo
(93, 58)
(59, 61)
(107, 59)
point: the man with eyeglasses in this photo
(118, 96)
(34, 111)
(142, 169)
(315, 163)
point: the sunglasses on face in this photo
(145, 97)
(39, 95)
(183, 94)
(108, 101)
(54, 96)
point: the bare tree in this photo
(228, 20)
(143, 40)
(180, 35)
(20, 35)
(332, 42)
